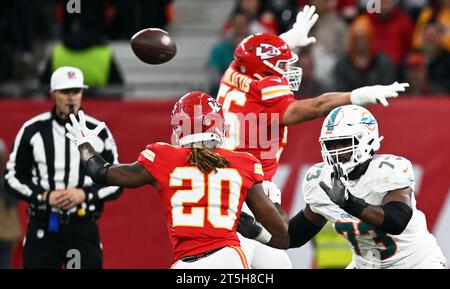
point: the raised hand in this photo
(338, 193)
(78, 132)
(298, 35)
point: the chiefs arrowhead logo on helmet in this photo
(266, 54)
(267, 51)
(215, 106)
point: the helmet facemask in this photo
(293, 74)
(336, 156)
(361, 150)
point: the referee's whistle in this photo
(81, 212)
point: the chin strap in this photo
(199, 137)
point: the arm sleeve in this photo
(301, 230)
(19, 183)
(96, 193)
(396, 217)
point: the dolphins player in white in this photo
(369, 198)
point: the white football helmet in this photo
(350, 122)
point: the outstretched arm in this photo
(312, 108)
(308, 109)
(123, 175)
(104, 173)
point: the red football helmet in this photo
(265, 54)
(197, 118)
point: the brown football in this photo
(153, 46)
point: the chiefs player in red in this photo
(256, 94)
(202, 187)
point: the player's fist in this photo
(249, 228)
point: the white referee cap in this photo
(67, 77)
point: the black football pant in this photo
(44, 249)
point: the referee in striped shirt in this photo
(44, 170)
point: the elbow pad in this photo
(301, 230)
(97, 168)
(396, 217)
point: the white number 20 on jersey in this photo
(196, 218)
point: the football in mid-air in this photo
(153, 46)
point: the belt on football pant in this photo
(193, 258)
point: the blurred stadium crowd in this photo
(404, 40)
(408, 40)
(36, 37)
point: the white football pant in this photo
(232, 257)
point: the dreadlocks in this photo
(206, 160)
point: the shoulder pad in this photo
(152, 150)
(312, 192)
(272, 87)
(390, 172)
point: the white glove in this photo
(298, 35)
(272, 191)
(79, 133)
(376, 93)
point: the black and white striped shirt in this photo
(44, 159)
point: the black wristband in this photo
(354, 205)
(97, 168)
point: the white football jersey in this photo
(373, 248)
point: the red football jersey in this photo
(254, 112)
(202, 210)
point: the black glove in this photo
(339, 194)
(248, 227)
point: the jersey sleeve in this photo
(152, 158)
(394, 173)
(275, 94)
(252, 168)
(313, 194)
(258, 174)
